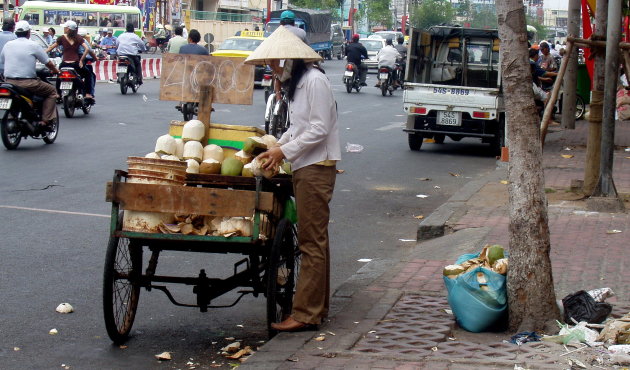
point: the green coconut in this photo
(247, 170)
(495, 253)
(286, 167)
(254, 145)
(231, 167)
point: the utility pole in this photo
(570, 79)
(606, 186)
(351, 16)
(593, 143)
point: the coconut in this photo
(193, 166)
(170, 158)
(269, 140)
(286, 167)
(247, 170)
(254, 144)
(153, 155)
(231, 167)
(258, 170)
(179, 148)
(210, 166)
(451, 271)
(492, 253)
(193, 130)
(500, 266)
(213, 151)
(243, 157)
(193, 150)
(165, 144)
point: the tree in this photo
(333, 5)
(376, 12)
(430, 13)
(485, 17)
(531, 295)
(540, 29)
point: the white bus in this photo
(43, 15)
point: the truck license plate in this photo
(121, 69)
(348, 73)
(382, 76)
(65, 85)
(5, 103)
(265, 83)
(449, 118)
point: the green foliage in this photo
(332, 5)
(542, 30)
(485, 17)
(376, 13)
(431, 13)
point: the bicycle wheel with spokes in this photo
(580, 107)
(282, 273)
(121, 287)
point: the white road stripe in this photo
(56, 211)
(391, 126)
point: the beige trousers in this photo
(313, 186)
(43, 89)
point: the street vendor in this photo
(312, 146)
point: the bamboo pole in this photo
(551, 102)
(596, 43)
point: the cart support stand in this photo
(205, 110)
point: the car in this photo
(241, 47)
(373, 46)
(394, 35)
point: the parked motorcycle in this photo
(71, 88)
(127, 75)
(20, 111)
(189, 110)
(385, 77)
(351, 78)
(267, 82)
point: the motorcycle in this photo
(189, 110)
(351, 78)
(385, 77)
(267, 82)
(71, 88)
(20, 110)
(127, 74)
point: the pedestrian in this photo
(193, 47)
(184, 31)
(311, 144)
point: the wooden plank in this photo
(187, 200)
(183, 75)
(205, 110)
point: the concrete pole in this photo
(593, 143)
(570, 79)
(606, 185)
(352, 18)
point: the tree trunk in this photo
(531, 296)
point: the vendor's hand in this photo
(274, 158)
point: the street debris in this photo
(454, 174)
(64, 308)
(354, 148)
(339, 172)
(407, 240)
(576, 363)
(293, 359)
(616, 331)
(64, 366)
(16, 348)
(504, 182)
(424, 179)
(524, 337)
(144, 97)
(613, 231)
(450, 312)
(436, 187)
(434, 349)
(321, 338)
(422, 196)
(364, 260)
(164, 356)
(329, 355)
(567, 148)
(567, 156)
(331, 333)
(53, 332)
(576, 334)
(356, 322)
(601, 294)
(244, 352)
(232, 347)
(581, 306)
(229, 339)
(239, 326)
(419, 217)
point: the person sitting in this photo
(387, 57)
(355, 53)
(177, 42)
(108, 43)
(19, 58)
(402, 50)
(193, 47)
(89, 59)
(129, 44)
(287, 19)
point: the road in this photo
(55, 226)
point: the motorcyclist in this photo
(19, 57)
(402, 50)
(108, 43)
(355, 52)
(159, 35)
(8, 26)
(387, 57)
(287, 19)
(178, 41)
(128, 45)
(90, 57)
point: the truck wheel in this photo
(415, 141)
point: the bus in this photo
(43, 15)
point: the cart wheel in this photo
(282, 273)
(121, 287)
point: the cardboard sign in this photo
(231, 80)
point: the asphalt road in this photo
(55, 221)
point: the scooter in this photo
(385, 77)
(127, 74)
(351, 78)
(20, 110)
(267, 82)
(71, 88)
(189, 110)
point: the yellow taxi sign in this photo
(252, 34)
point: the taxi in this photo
(241, 47)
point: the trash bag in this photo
(582, 307)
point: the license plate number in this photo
(449, 118)
(121, 69)
(266, 83)
(5, 103)
(65, 85)
(383, 76)
(348, 74)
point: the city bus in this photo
(43, 15)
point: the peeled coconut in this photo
(193, 150)
(165, 144)
(258, 170)
(254, 143)
(231, 167)
(243, 157)
(171, 158)
(193, 166)
(451, 271)
(179, 148)
(269, 140)
(210, 166)
(194, 130)
(501, 266)
(247, 170)
(153, 155)
(213, 151)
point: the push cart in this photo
(271, 255)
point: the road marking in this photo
(346, 112)
(55, 211)
(391, 126)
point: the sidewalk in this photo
(391, 314)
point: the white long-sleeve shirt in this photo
(387, 56)
(313, 136)
(129, 43)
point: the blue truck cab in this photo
(316, 23)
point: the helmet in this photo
(356, 37)
(388, 41)
(287, 14)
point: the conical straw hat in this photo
(282, 44)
